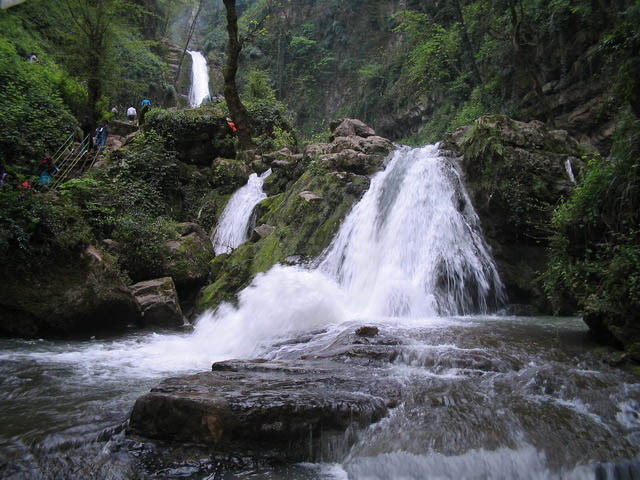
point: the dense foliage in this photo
(595, 255)
(456, 60)
(36, 101)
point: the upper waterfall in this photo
(199, 79)
(233, 225)
(413, 245)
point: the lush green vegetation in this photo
(136, 200)
(595, 255)
(41, 102)
(457, 60)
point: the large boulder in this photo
(354, 148)
(288, 410)
(516, 174)
(348, 127)
(188, 259)
(158, 300)
(66, 294)
(197, 135)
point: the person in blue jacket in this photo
(101, 136)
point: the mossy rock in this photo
(304, 226)
(188, 259)
(197, 135)
(229, 174)
(67, 294)
(516, 175)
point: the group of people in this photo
(47, 168)
(132, 113)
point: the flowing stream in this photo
(483, 396)
(234, 223)
(199, 79)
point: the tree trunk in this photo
(236, 109)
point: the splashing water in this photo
(199, 79)
(233, 226)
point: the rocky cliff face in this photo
(310, 195)
(516, 174)
(76, 293)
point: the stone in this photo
(310, 196)
(158, 300)
(353, 150)
(69, 294)
(316, 149)
(367, 331)
(262, 231)
(287, 410)
(350, 126)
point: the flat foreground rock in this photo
(290, 410)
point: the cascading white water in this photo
(199, 79)
(233, 225)
(412, 247)
(569, 170)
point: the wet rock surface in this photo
(158, 301)
(303, 409)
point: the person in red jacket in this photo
(232, 125)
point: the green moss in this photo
(232, 272)
(303, 228)
(269, 252)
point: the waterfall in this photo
(569, 169)
(413, 246)
(199, 79)
(233, 226)
(411, 249)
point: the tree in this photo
(237, 110)
(94, 22)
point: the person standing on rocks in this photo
(101, 136)
(131, 113)
(146, 105)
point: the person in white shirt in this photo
(131, 113)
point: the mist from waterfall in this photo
(199, 79)
(233, 226)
